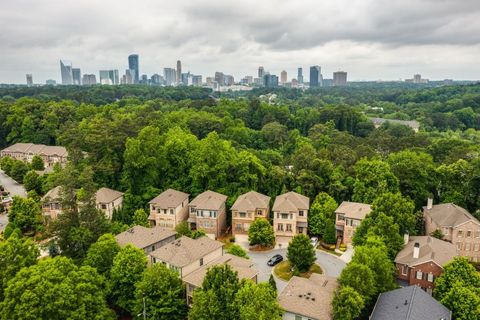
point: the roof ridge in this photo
(409, 310)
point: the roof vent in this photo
(313, 299)
(406, 302)
(300, 295)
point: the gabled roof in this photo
(106, 195)
(38, 149)
(184, 250)
(354, 210)
(169, 198)
(142, 237)
(251, 201)
(209, 200)
(431, 249)
(291, 201)
(449, 215)
(311, 298)
(53, 194)
(409, 303)
(242, 266)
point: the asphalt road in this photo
(331, 265)
(15, 189)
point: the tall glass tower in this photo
(133, 65)
(66, 71)
(315, 76)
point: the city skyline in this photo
(437, 39)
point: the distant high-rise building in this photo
(261, 72)
(129, 77)
(144, 79)
(156, 79)
(89, 79)
(210, 81)
(283, 77)
(315, 76)
(184, 79)
(229, 80)
(197, 80)
(179, 72)
(51, 82)
(170, 76)
(417, 78)
(300, 75)
(270, 81)
(133, 64)
(66, 71)
(109, 77)
(220, 78)
(77, 76)
(294, 83)
(340, 78)
(29, 80)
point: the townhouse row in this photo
(26, 151)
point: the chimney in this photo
(406, 238)
(429, 203)
(416, 250)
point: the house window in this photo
(341, 217)
(164, 211)
(430, 277)
(238, 227)
(467, 246)
(192, 209)
(201, 261)
(477, 234)
(246, 226)
(300, 213)
(459, 246)
(404, 269)
(289, 227)
(213, 214)
(284, 215)
(280, 227)
(419, 275)
(445, 231)
(243, 214)
(297, 317)
(171, 211)
(159, 210)
(259, 213)
(460, 234)
(475, 246)
(104, 206)
(469, 234)
(152, 248)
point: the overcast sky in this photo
(370, 39)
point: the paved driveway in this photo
(331, 265)
(15, 189)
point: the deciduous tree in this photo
(300, 253)
(261, 233)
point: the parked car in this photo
(314, 241)
(275, 260)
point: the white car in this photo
(314, 241)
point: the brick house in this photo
(457, 226)
(290, 212)
(348, 217)
(208, 213)
(248, 207)
(422, 259)
(169, 208)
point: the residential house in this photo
(207, 213)
(108, 200)
(409, 303)
(52, 204)
(186, 255)
(348, 217)
(26, 152)
(248, 207)
(308, 299)
(422, 259)
(457, 226)
(244, 268)
(169, 208)
(290, 212)
(414, 125)
(146, 239)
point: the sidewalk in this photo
(347, 255)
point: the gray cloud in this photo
(371, 39)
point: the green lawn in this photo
(284, 272)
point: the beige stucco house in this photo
(208, 213)
(51, 204)
(457, 226)
(290, 212)
(146, 239)
(348, 217)
(108, 200)
(26, 151)
(248, 207)
(169, 208)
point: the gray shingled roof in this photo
(37, 149)
(251, 201)
(106, 195)
(291, 201)
(169, 198)
(209, 200)
(142, 237)
(409, 303)
(449, 215)
(354, 210)
(431, 249)
(53, 194)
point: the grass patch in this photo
(283, 270)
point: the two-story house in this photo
(108, 200)
(26, 151)
(169, 208)
(51, 204)
(348, 217)
(185, 255)
(248, 207)
(208, 213)
(146, 239)
(290, 212)
(422, 259)
(457, 226)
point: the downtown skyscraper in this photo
(179, 72)
(133, 65)
(315, 77)
(300, 75)
(66, 72)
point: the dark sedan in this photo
(274, 260)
